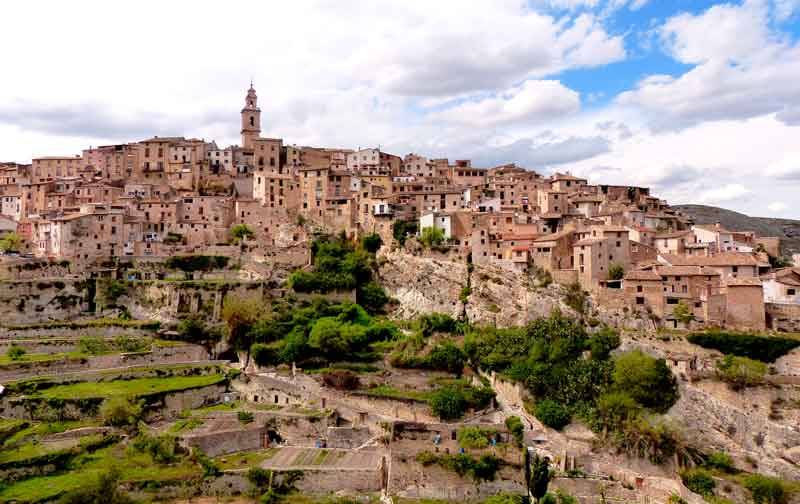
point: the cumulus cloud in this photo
(537, 154)
(744, 70)
(533, 101)
(723, 194)
(787, 168)
(447, 55)
(777, 206)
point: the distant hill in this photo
(787, 230)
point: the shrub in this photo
(741, 372)
(92, 345)
(447, 357)
(514, 425)
(647, 380)
(475, 437)
(121, 411)
(552, 414)
(505, 498)
(431, 237)
(341, 379)
(112, 290)
(190, 263)
(603, 342)
(683, 313)
(192, 329)
(163, 449)
(245, 417)
(436, 322)
(482, 469)
(616, 271)
(371, 242)
(448, 403)
(16, 352)
(402, 229)
(762, 348)
(102, 490)
(576, 298)
(372, 297)
(698, 481)
(720, 461)
(616, 408)
(264, 355)
(766, 490)
(241, 232)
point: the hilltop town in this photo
(182, 320)
(168, 196)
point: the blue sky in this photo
(698, 100)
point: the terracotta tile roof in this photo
(554, 236)
(686, 271)
(674, 234)
(742, 281)
(722, 259)
(643, 275)
(713, 227)
(588, 241)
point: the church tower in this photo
(251, 119)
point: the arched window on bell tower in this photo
(252, 121)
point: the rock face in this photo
(422, 284)
(738, 424)
(498, 295)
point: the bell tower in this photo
(251, 119)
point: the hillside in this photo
(788, 230)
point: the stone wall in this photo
(783, 317)
(159, 355)
(32, 301)
(347, 437)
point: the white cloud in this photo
(533, 101)
(778, 206)
(724, 194)
(785, 9)
(741, 69)
(787, 168)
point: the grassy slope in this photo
(136, 387)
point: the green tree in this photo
(552, 414)
(603, 342)
(683, 313)
(448, 403)
(10, 242)
(241, 232)
(647, 380)
(447, 357)
(371, 242)
(401, 229)
(372, 297)
(539, 477)
(240, 313)
(616, 271)
(326, 337)
(431, 237)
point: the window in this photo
(791, 292)
(639, 300)
(638, 288)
